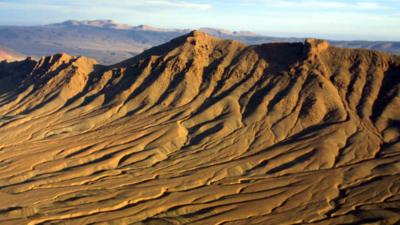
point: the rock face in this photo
(202, 131)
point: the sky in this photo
(331, 19)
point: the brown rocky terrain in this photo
(202, 130)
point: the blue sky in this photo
(334, 19)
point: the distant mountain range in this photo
(110, 42)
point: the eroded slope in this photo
(202, 131)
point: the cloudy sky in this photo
(334, 19)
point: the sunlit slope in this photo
(9, 55)
(202, 131)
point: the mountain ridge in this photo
(202, 130)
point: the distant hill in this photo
(10, 55)
(110, 42)
(107, 42)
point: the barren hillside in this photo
(202, 130)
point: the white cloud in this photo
(122, 4)
(319, 4)
(179, 4)
(370, 5)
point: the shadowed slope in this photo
(203, 131)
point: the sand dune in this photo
(202, 130)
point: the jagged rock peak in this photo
(316, 46)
